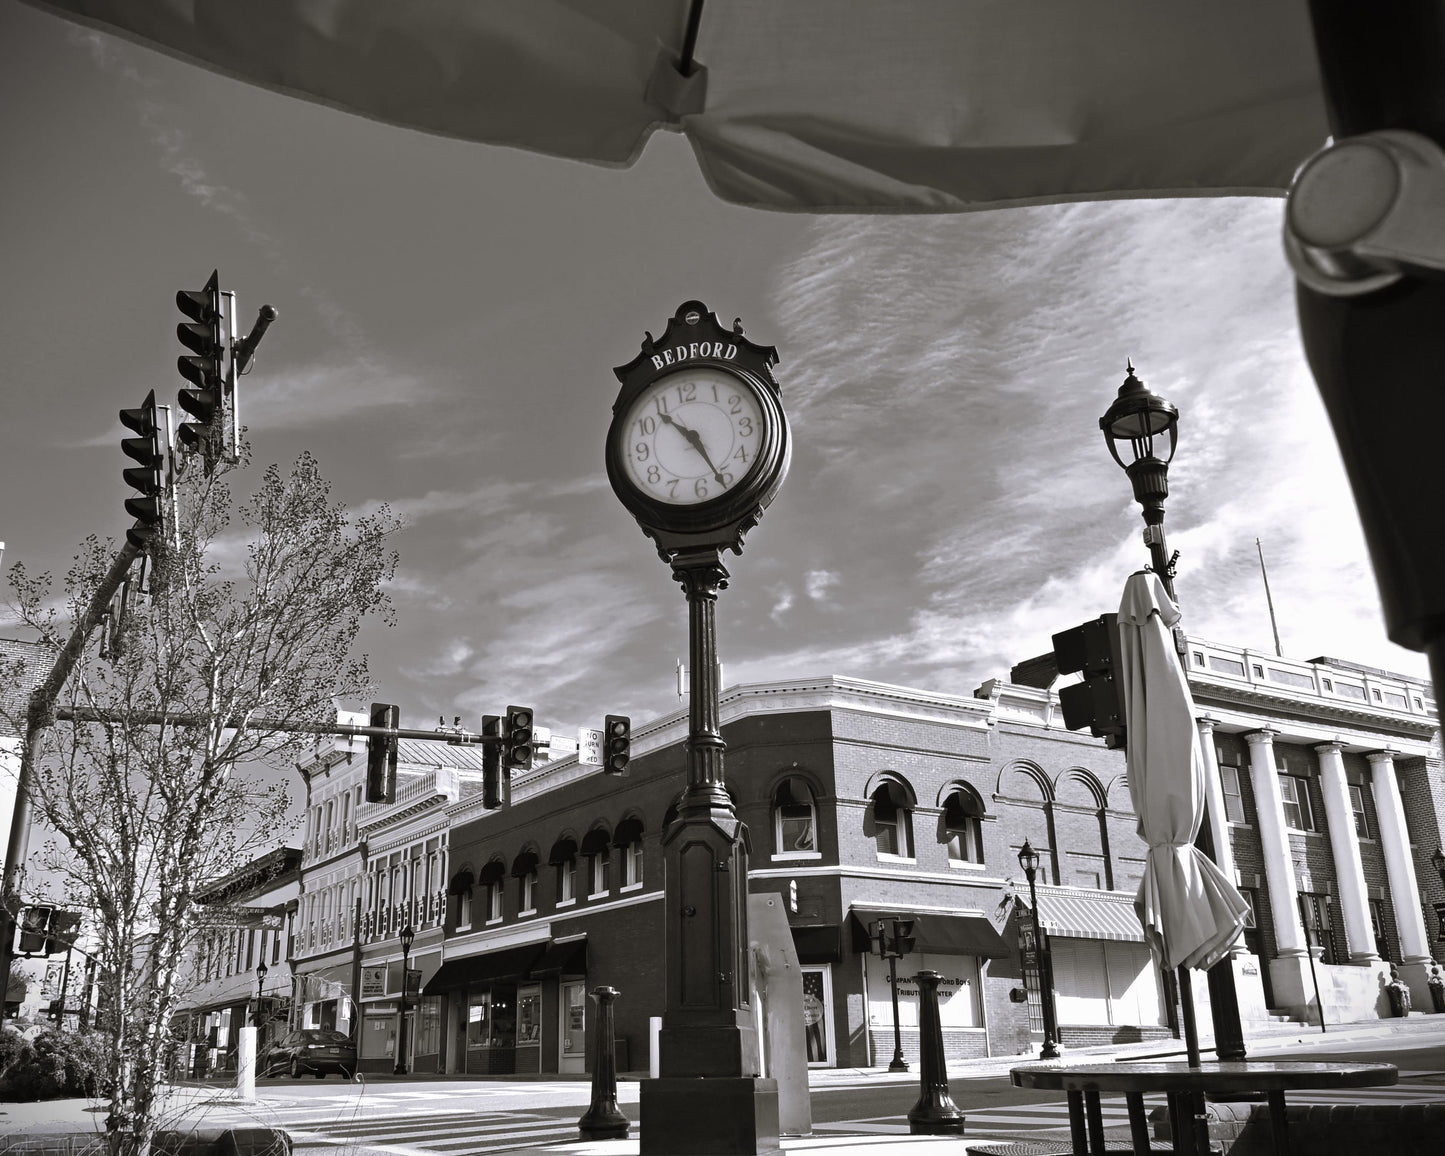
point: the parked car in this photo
(314, 1050)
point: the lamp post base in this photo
(708, 1116)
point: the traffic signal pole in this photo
(40, 715)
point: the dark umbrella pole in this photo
(935, 1114)
(603, 1120)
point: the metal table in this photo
(1186, 1087)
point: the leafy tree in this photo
(252, 611)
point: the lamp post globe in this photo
(407, 936)
(1146, 427)
(1029, 861)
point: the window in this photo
(962, 827)
(1377, 926)
(795, 818)
(1297, 813)
(527, 892)
(1357, 804)
(632, 864)
(597, 873)
(1233, 796)
(1318, 924)
(892, 821)
(494, 900)
(566, 880)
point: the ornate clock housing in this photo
(699, 443)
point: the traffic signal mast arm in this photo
(455, 737)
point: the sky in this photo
(449, 318)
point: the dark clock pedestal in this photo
(709, 1116)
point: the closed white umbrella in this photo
(1190, 911)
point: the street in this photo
(407, 1118)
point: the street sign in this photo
(589, 747)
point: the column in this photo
(1404, 891)
(1289, 933)
(1214, 800)
(1349, 868)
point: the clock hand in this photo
(694, 440)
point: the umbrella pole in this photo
(1186, 1009)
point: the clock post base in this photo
(708, 1116)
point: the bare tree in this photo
(252, 612)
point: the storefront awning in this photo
(1089, 915)
(934, 932)
(569, 958)
(508, 963)
(818, 944)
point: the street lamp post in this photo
(1144, 422)
(261, 970)
(407, 935)
(889, 936)
(1029, 861)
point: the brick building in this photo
(862, 801)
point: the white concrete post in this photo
(1214, 799)
(246, 1064)
(1349, 867)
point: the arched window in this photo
(795, 818)
(962, 828)
(491, 879)
(461, 887)
(628, 841)
(892, 811)
(596, 845)
(524, 870)
(563, 857)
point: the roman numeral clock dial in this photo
(692, 436)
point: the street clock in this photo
(699, 443)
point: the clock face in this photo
(691, 436)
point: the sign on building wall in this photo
(373, 982)
(957, 991)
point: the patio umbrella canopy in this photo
(813, 105)
(1190, 911)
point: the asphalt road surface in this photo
(450, 1118)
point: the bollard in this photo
(603, 1120)
(935, 1114)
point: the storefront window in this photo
(529, 1016)
(428, 1026)
(378, 1034)
(479, 1018)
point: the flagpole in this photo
(1273, 625)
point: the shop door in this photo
(818, 1016)
(573, 1026)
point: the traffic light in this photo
(34, 926)
(1098, 701)
(904, 940)
(148, 476)
(616, 744)
(518, 739)
(381, 754)
(491, 761)
(202, 367)
(63, 932)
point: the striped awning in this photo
(1077, 914)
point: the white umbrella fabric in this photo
(1190, 911)
(809, 105)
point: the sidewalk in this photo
(59, 1116)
